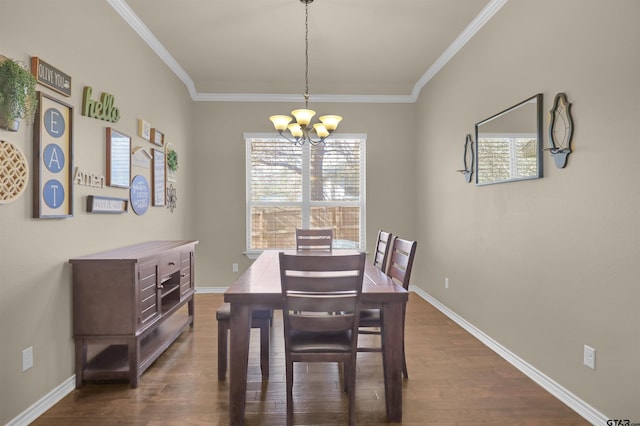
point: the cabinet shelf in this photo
(112, 362)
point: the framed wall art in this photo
(98, 204)
(118, 159)
(52, 159)
(158, 177)
(157, 137)
(144, 129)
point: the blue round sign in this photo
(54, 122)
(53, 158)
(53, 193)
(140, 195)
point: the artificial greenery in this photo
(172, 160)
(18, 98)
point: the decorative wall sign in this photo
(172, 162)
(97, 204)
(53, 159)
(158, 177)
(102, 109)
(141, 158)
(144, 129)
(157, 137)
(560, 130)
(50, 76)
(15, 172)
(139, 195)
(171, 198)
(88, 179)
(118, 158)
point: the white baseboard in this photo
(576, 404)
(44, 403)
(572, 401)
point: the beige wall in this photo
(90, 42)
(220, 175)
(544, 266)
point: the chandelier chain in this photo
(306, 55)
(301, 129)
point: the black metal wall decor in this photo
(560, 130)
(468, 159)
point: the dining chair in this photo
(321, 304)
(399, 266)
(314, 239)
(260, 318)
(383, 244)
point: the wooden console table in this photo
(127, 307)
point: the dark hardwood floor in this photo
(453, 380)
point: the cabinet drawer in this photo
(168, 264)
(185, 272)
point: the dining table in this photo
(259, 288)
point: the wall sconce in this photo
(560, 130)
(467, 159)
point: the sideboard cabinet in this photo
(129, 305)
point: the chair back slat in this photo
(401, 260)
(383, 246)
(314, 239)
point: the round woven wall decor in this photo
(14, 172)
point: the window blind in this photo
(290, 186)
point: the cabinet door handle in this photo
(172, 263)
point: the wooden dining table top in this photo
(260, 284)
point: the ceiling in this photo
(253, 50)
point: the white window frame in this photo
(306, 203)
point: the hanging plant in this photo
(172, 160)
(18, 98)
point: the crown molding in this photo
(143, 31)
(273, 97)
(467, 34)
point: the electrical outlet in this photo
(446, 283)
(27, 358)
(234, 267)
(589, 357)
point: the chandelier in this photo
(301, 130)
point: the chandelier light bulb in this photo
(330, 121)
(280, 122)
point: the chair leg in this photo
(264, 347)
(223, 326)
(351, 378)
(404, 365)
(289, 381)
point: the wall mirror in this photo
(509, 144)
(118, 159)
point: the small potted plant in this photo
(18, 98)
(172, 163)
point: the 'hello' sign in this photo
(103, 109)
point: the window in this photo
(290, 186)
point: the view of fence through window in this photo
(290, 186)
(505, 158)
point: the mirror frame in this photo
(538, 98)
(116, 161)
